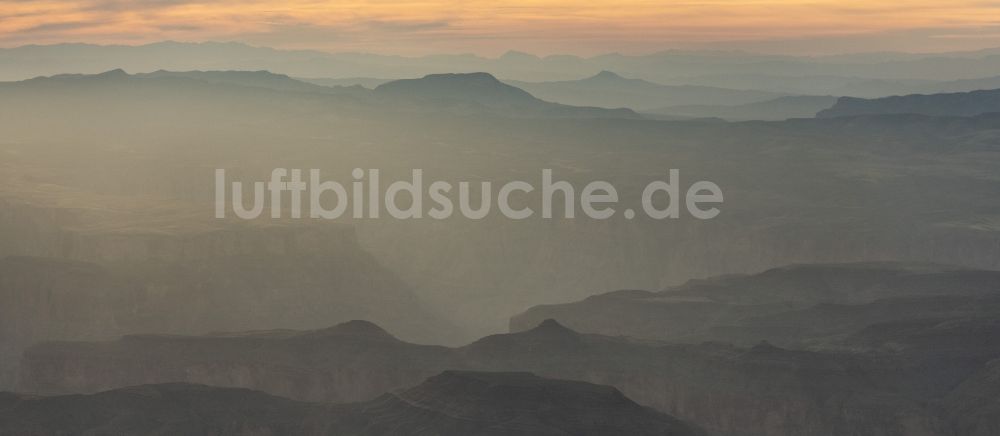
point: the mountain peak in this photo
(551, 325)
(115, 73)
(548, 333)
(552, 330)
(482, 88)
(607, 75)
(359, 328)
(514, 55)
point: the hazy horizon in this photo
(542, 26)
(500, 53)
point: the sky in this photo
(584, 27)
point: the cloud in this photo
(495, 25)
(58, 27)
(406, 26)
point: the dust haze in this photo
(849, 284)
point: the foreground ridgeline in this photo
(919, 378)
(449, 404)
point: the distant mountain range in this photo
(482, 93)
(673, 67)
(472, 93)
(962, 104)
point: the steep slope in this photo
(961, 104)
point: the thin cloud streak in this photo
(408, 27)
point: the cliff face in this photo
(727, 390)
(49, 299)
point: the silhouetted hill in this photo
(483, 91)
(481, 88)
(954, 104)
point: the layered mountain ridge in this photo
(448, 404)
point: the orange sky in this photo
(537, 26)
